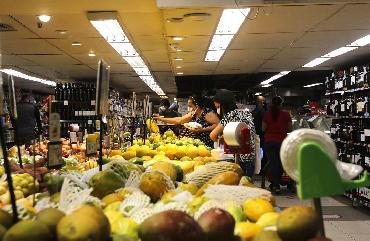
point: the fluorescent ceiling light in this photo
(361, 41)
(29, 77)
(180, 73)
(312, 85)
(231, 20)
(338, 52)
(258, 93)
(275, 77)
(214, 55)
(76, 44)
(178, 50)
(220, 42)
(178, 38)
(342, 50)
(179, 59)
(266, 86)
(44, 18)
(92, 54)
(228, 25)
(142, 71)
(315, 62)
(135, 62)
(111, 30)
(178, 67)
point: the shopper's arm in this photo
(216, 132)
(213, 120)
(176, 120)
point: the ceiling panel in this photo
(247, 55)
(287, 64)
(187, 57)
(191, 26)
(282, 19)
(142, 23)
(352, 16)
(156, 56)
(20, 32)
(149, 42)
(98, 45)
(246, 40)
(159, 66)
(121, 68)
(329, 40)
(193, 43)
(51, 60)
(28, 46)
(15, 60)
(301, 53)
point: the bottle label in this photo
(93, 102)
(360, 106)
(342, 107)
(367, 132)
(362, 138)
(76, 113)
(89, 122)
(65, 102)
(353, 80)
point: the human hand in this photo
(156, 117)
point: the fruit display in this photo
(163, 188)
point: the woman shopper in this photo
(225, 103)
(199, 112)
(276, 125)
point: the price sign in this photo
(54, 127)
(91, 146)
(55, 154)
(73, 137)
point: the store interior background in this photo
(277, 36)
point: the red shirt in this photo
(276, 130)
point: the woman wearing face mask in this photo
(200, 112)
(225, 103)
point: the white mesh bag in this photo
(200, 176)
(140, 215)
(135, 202)
(72, 196)
(45, 203)
(237, 194)
(133, 180)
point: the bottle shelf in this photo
(341, 92)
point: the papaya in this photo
(105, 182)
(298, 223)
(86, 223)
(28, 230)
(225, 178)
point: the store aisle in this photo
(342, 221)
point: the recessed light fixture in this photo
(62, 32)
(275, 77)
(179, 59)
(312, 85)
(177, 38)
(76, 44)
(178, 50)
(180, 73)
(29, 77)
(92, 54)
(228, 26)
(107, 25)
(44, 18)
(178, 67)
(339, 51)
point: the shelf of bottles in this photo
(75, 102)
(349, 96)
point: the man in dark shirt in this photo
(165, 111)
(258, 114)
(28, 119)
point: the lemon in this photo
(247, 230)
(255, 208)
(268, 219)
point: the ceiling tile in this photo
(352, 16)
(28, 46)
(282, 19)
(191, 26)
(51, 60)
(246, 40)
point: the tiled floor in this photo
(342, 221)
